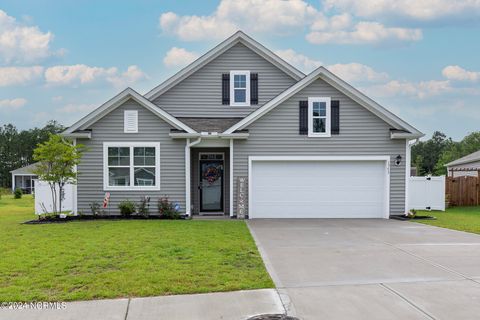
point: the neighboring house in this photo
(241, 118)
(23, 178)
(465, 166)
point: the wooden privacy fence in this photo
(463, 191)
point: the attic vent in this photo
(130, 121)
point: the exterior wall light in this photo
(398, 160)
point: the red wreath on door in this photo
(211, 174)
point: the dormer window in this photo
(240, 88)
(319, 122)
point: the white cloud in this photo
(357, 72)
(179, 57)
(280, 18)
(424, 10)
(83, 74)
(422, 89)
(21, 43)
(133, 75)
(19, 75)
(269, 16)
(57, 98)
(460, 74)
(76, 108)
(12, 104)
(365, 32)
(298, 60)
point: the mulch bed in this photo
(404, 218)
(56, 219)
(272, 317)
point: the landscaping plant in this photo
(126, 207)
(17, 194)
(57, 159)
(144, 206)
(167, 209)
(96, 209)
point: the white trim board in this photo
(117, 101)
(342, 86)
(237, 37)
(385, 159)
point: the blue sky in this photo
(61, 59)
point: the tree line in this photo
(431, 156)
(16, 147)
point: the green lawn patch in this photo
(457, 218)
(111, 259)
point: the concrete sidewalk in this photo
(237, 305)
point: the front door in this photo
(211, 182)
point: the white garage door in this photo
(318, 189)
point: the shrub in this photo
(144, 206)
(96, 210)
(17, 194)
(167, 209)
(126, 207)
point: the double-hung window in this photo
(131, 166)
(240, 88)
(319, 117)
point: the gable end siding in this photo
(150, 129)
(200, 95)
(362, 133)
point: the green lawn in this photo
(457, 218)
(110, 259)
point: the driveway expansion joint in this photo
(386, 287)
(128, 306)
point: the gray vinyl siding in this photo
(200, 95)
(150, 129)
(195, 178)
(361, 133)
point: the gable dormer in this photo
(231, 80)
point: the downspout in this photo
(188, 201)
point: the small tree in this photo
(57, 159)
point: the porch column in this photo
(188, 201)
(231, 177)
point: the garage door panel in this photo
(318, 189)
(322, 194)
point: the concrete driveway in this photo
(371, 269)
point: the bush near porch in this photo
(457, 218)
(112, 259)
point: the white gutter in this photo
(188, 200)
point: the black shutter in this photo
(253, 88)
(335, 117)
(226, 88)
(303, 117)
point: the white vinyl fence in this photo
(427, 193)
(43, 197)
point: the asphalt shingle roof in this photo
(472, 157)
